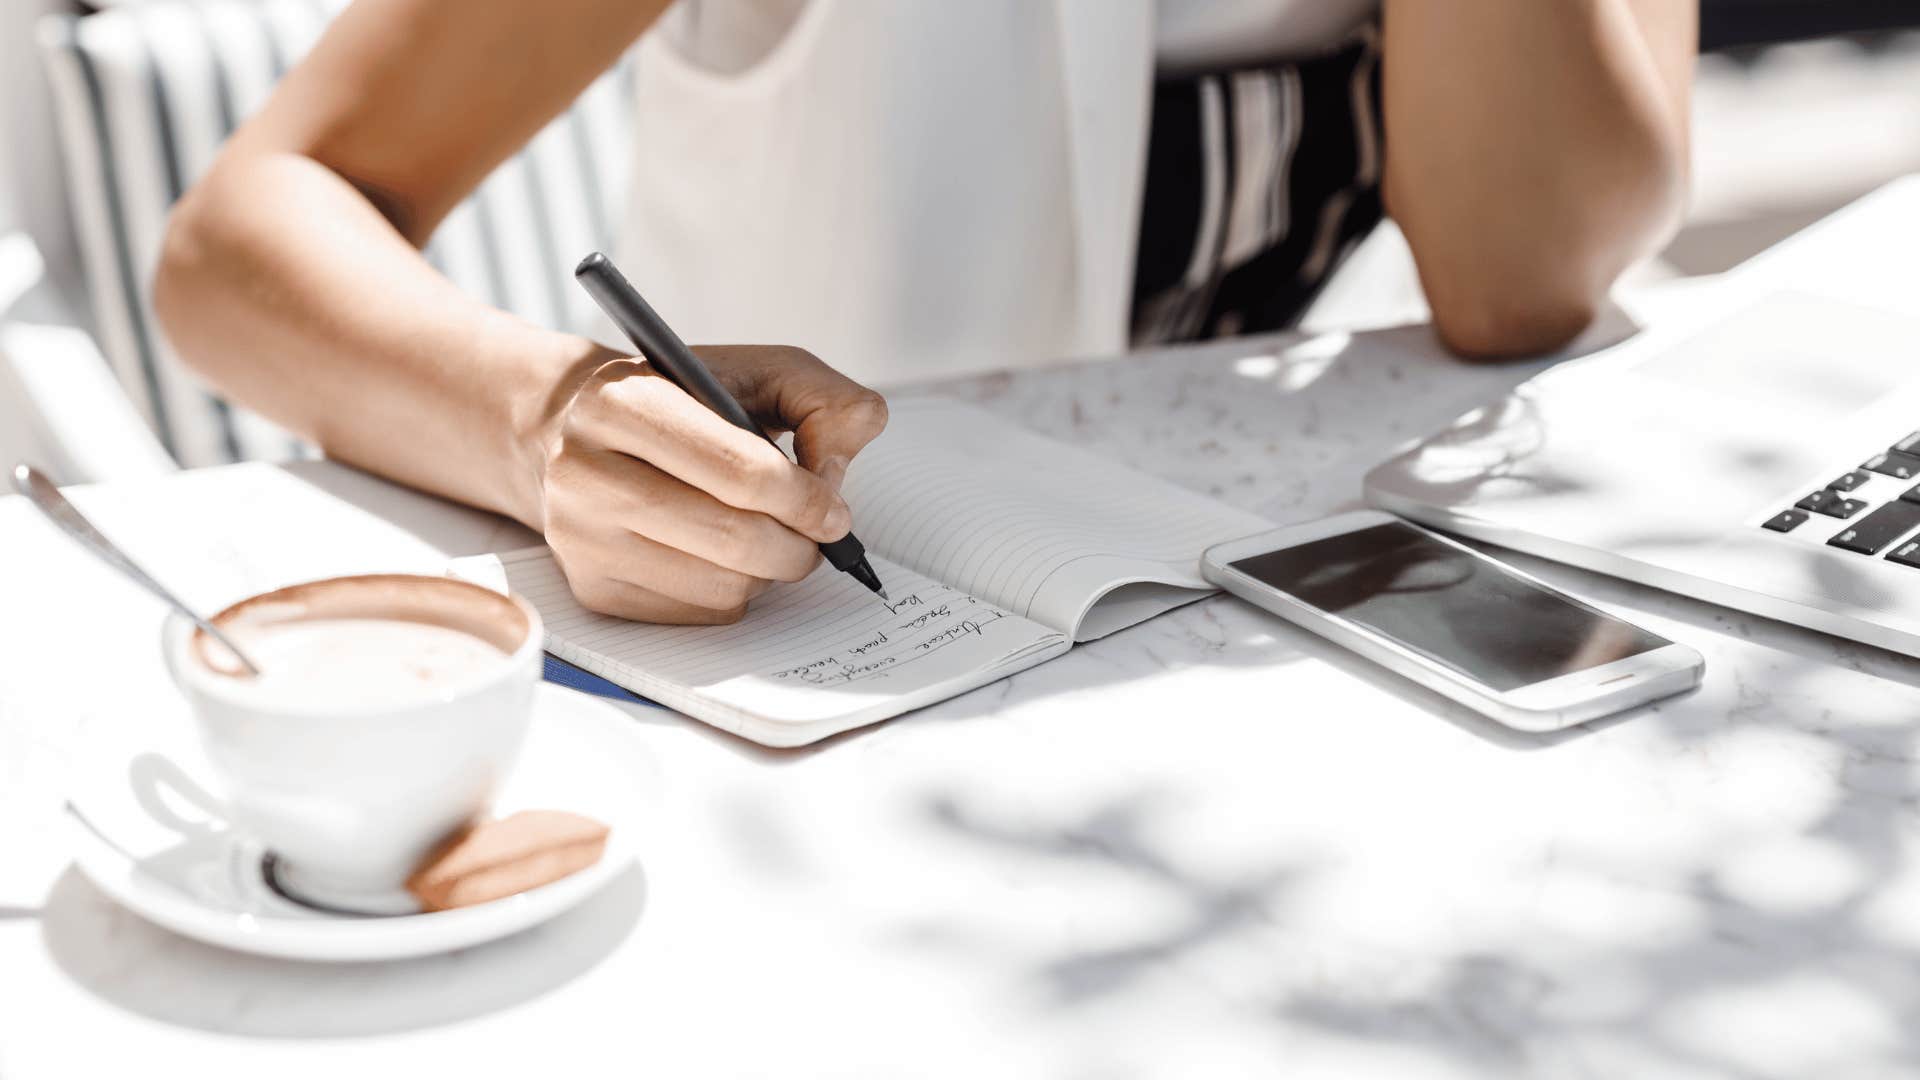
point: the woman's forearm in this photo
(285, 288)
(290, 279)
(1534, 150)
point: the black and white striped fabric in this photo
(1259, 181)
(145, 95)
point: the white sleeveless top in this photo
(916, 188)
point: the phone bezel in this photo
(1545, 704)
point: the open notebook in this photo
(1000, 549)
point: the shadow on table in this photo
(1116, 837)
(1781, 926)
(155, 973)
(1758, 948)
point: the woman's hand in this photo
(659, 510)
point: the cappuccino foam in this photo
(356, 663)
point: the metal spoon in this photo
(41, 492)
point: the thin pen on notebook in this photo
(677, 363)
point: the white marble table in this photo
(1207, 846)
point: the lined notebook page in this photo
(809, 658)
(1033, 525)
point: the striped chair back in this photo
(146, 93)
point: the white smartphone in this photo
(1490, 637)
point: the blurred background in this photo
(1800, 107)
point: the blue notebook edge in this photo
(561, 673)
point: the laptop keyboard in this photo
(1850, 497)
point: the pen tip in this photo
(883, 594)
(862, 572)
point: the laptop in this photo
(1767, 459)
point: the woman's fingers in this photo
(617, 490)
(648, 418)
(625, 600)
(659, 510)
(831, 416)
(599, 562)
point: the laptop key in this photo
(1907, 554)
(1831, 503)
(1908, 445)
(1882, 527)
(1895, 464)
(1785, 520)
(1850, 481)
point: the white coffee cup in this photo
(351, 798)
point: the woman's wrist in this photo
(537, 409)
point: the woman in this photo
(907, 188)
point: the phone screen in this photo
(1462, 612)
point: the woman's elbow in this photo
(1499, 323)
(1524, 275)
(1544, 290)
(1535, 293)
(183, 258)
(186, 279)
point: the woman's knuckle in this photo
(596, 594)
(797, 559)
(765, 479)
(565, 459)
(729, 590)
(578, 422)
(636, 504)
(627, 397)
(733, 461)
(870, 405)
(727, 616)
(818, 503)
(609, 383)
(866, 415)
(617, 369)
(728, 537)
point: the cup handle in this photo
(155, 777)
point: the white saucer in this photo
(148, 833)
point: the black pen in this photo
(677, 364)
